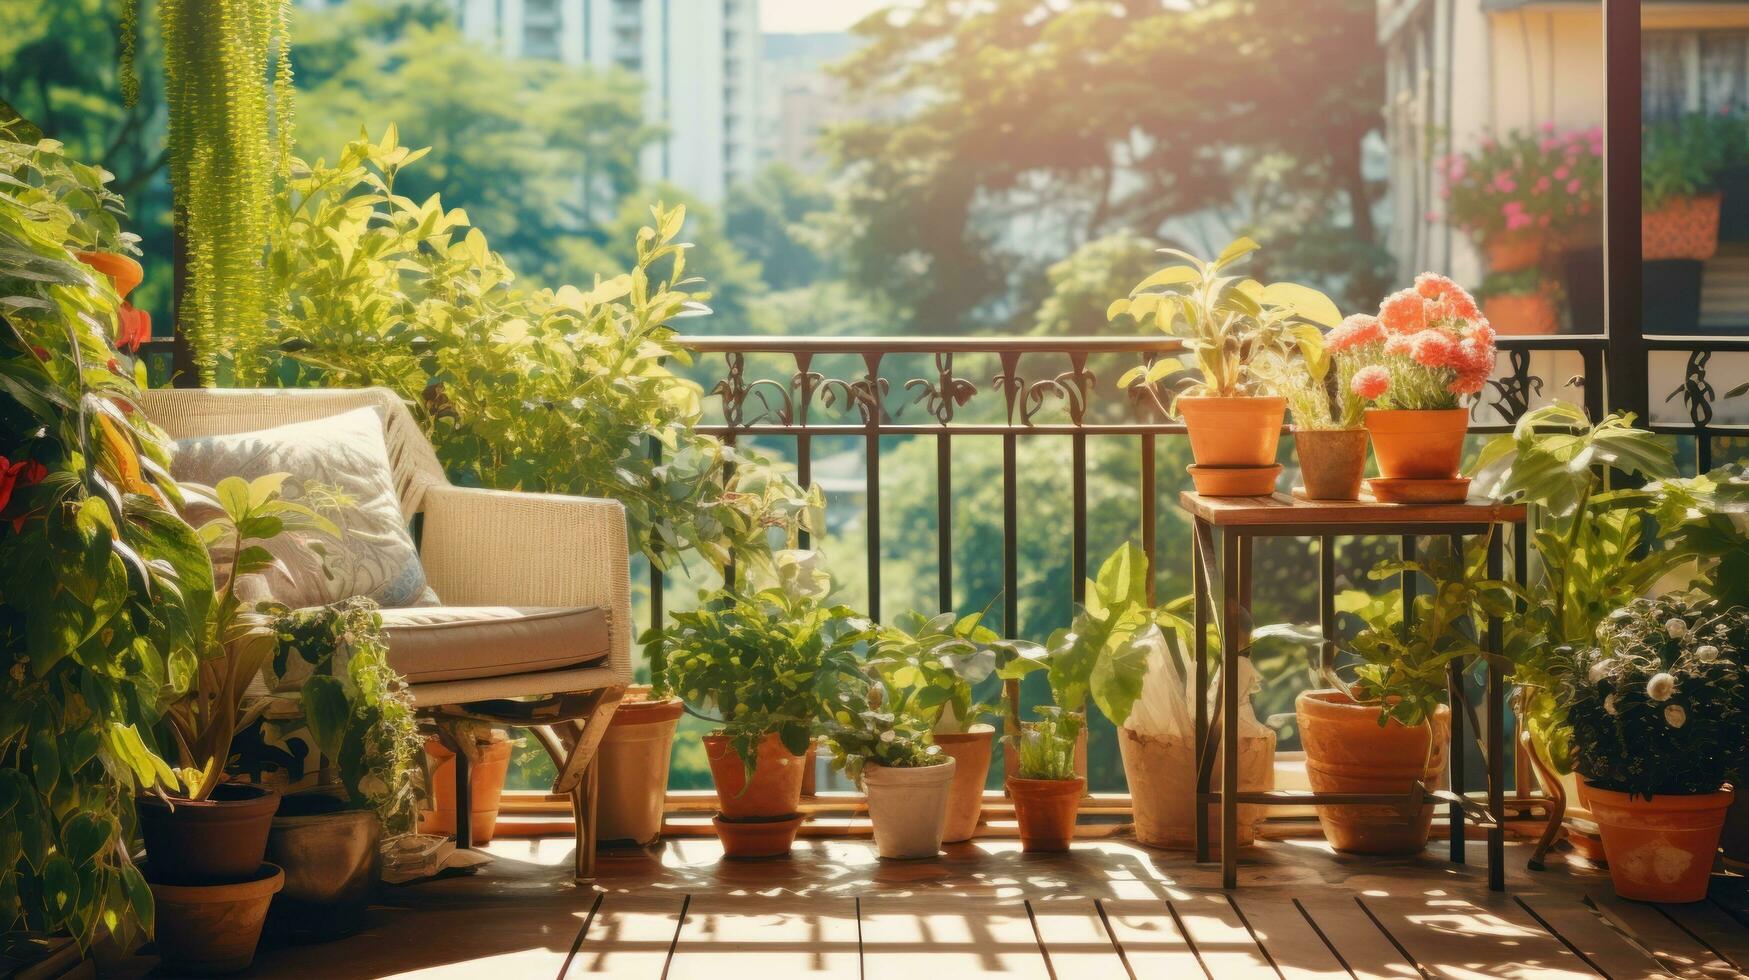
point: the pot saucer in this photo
(1451, 491)
(1234, 481)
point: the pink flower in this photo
(1542, 184)
(1562, 172)
(1504, 183)
(1548, 145)
(1356, 331)
(1548, 127)
(1371, 381)
(1431, 216)
(1403, 312)
(1575, 185)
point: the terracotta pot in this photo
(775, 789)
(208, 929)
(1233, 431)
(124, 273)
(810, 771)
(1418, 445)
(757, 837)
(485, 785)
(1046, 810)
(908, 807)
(633, 768)
(1234, 481)
(1683, 228)
(1332, 462)
(218, 840)
(970, 752)
(1522, 314)
(332, 861)
(1161, 772)
(1512, 251)
(1660, 849)
(1347, 752)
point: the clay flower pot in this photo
(775, 789)
(1332, 462)
(1660, 849)
(1161, 773)
(1515, 250)
(970, 752)
(1233, 431)
(209, 929)
(1418, 445)
(485, 785)
(1681, 228)
(633, 768)
(217, 840)
(330, 853)
(908, 807)
(1347, 752)
(757, 837)
(1046, 810)
(1522, 314)
(1234, 481)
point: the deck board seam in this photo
(1408, 957)
(1189, 940)
(1549, 928)
(1343, 960)
(1039, 938)
(1111, 935)
(577, 944)
(1268, 957)
(1728, 960)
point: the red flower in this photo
(134, 327)
(9, 474)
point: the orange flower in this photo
(1404, 312)
(133, 327)
(1371, 381)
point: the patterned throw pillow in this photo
(340, 467)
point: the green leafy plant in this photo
(884, 738)
(1226, 321)
(1707, 518)
(932, 666)
(1523, 282)
(1046, 747)
(1682, 157)
(776, 661)
(1319, 388)
(1659, 704)
(357, 708)
(226, 107)
(237, 639)
(103, 587)
(554, 390)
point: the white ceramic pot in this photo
(908, 808)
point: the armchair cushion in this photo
(450, 643)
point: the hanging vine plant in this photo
(229, 134)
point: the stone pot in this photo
(908, 807)
(1660, 849)
(970, 752)
(633, 763)
(1046, 809)
(1348, 752)
(485, 785)
(331, 855)
(213, 841)
(775, 789)
(209, 929)
(757, 837)
(1161, 772)
(1332, 462)
(1241, 431)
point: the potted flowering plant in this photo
(888, 751)
(1521, 195)
(1679, 197)
(1521, 303)
(1427, 350)
(1660, 717)
(1227, 322)
(1327, 412)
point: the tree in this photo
(1082, 286)
(1028, 128)
(767, 219)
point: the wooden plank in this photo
(1715, 928)
(757, 937)
(1280, 508)
(1149, 938)
(630, 936)
(1221, 939)
(1365, 950)
(908, 939)
(1076, 940)
(1608, 951)
(1676, 950)
(1451, 936)
(1288, 937)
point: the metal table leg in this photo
(1496, 722)
(1232, 617)
(1458, 762)
(1200, 585)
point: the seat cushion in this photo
(450, 643)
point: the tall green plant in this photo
(229, 128)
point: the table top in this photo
(1280, 509)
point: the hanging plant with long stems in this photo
(229, 133)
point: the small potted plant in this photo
(634, 757)
(932, 667)
(1226, 321)
(1045, 786)
(1521, 303)
(1526, 195)
(1328, 435)
(1415, 363)
(1680, 163)
(890, 755)
(489, 749)
(1660, 716)
(765, 664)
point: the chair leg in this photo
(464, 803)
(583, 803)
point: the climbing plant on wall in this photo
(228, 140)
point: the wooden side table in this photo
(1241, 520)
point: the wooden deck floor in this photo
(1111, 909)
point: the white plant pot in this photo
(908, 808)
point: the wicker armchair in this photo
(513, 569)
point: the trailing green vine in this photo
(229, 133)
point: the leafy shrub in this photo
(1659, 704)
(1047, 746)
(1682, 157)
(884, 738)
